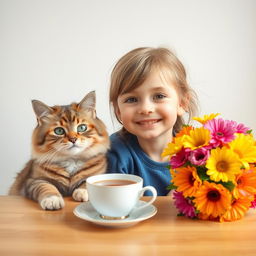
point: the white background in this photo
(59, 50)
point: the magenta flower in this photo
(184, 205)
(253, 203)
(180, 158)
(239, 128)
(199, 156)
(222, 131)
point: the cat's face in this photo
(69, 131)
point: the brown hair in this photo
(134, 68)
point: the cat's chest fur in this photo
(72, 165)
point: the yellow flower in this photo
(244, 146)
(173, 147)
(206, 118)
(237, 210)
(186, 180)
(223, 164)
(197, 138)
(212, 199)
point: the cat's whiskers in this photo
(55, 153)
(46, 158)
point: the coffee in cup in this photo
(115, 195)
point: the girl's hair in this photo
(134, 68)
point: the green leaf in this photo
(197, 211)
(228, 185)
(249, 131)
(171, 187)
(168, 167)
(201, 171)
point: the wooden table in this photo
(25, 229)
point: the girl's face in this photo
(150, 111)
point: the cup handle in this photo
(153, 198)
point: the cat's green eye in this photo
(81, 128)
(59, 131)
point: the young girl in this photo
(149, 94)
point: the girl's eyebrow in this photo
(159, 88)
(129, 93)
(136, 91)
(126, 94)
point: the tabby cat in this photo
(69, 144)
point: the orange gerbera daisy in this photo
(184, 131)
(212, 199)
(203, 216)
(187, 180)
(238, 208)
(246, 183)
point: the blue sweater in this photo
(126, 156)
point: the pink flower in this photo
(199, 156)
(184, 205)
(180, 158)
(253, 203)
(240, 128)
(222, 131)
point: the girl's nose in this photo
(146, 107)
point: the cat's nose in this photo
(73, 139)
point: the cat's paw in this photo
(80, 195)
(52, 203)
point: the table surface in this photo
(26, 229)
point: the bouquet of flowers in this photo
(213, 169)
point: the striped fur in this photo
(62, 159)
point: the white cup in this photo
(118, 200)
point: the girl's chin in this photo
(152, 135)
(147, 136)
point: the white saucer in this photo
(85, 211)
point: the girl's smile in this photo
(148, 123)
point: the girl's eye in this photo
(82, 128)
(159, 96)
(59, 131)
(130, 100)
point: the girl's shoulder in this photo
(122, 154)
(121, 142)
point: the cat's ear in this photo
(88, 104)
(41, 110)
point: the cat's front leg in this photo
(80, 194)
(47, 195)
(52, 202)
